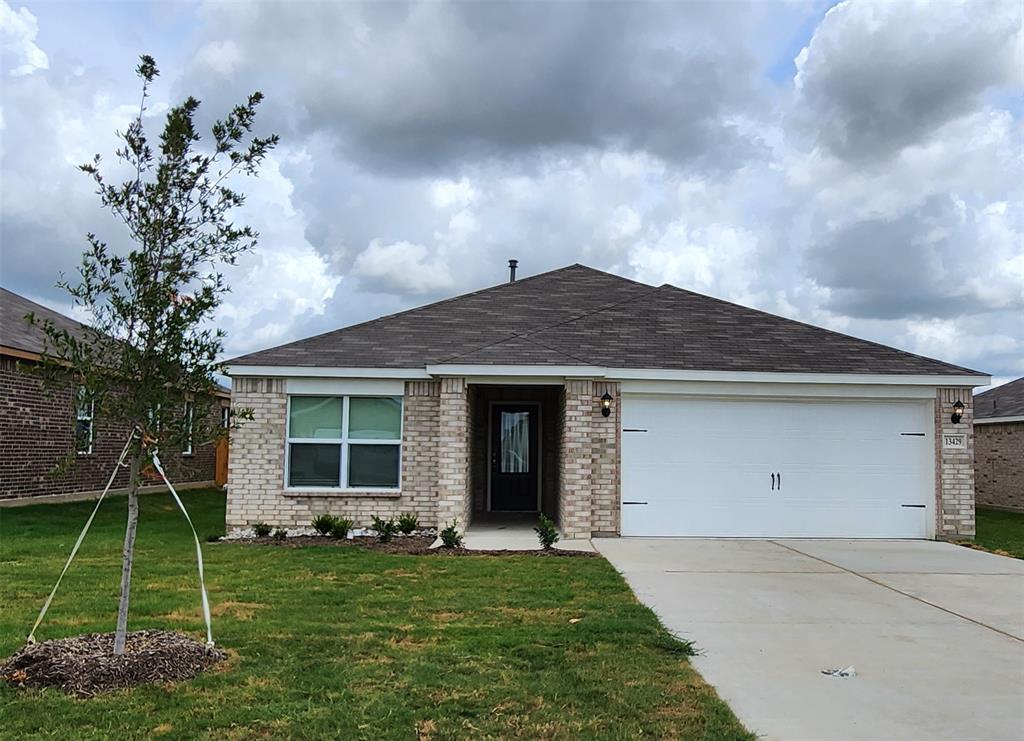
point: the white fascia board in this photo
(298, 371)
(999, 420)
(734, 389)
(490, 371)
(653, 374)
(345, 386)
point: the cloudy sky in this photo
(859, 166)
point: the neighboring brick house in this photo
(999, 446)
(616, 407)
(42, 428)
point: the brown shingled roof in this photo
(18, 334)
(1002, 401)
(581, 316)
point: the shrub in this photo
(451, 537)
(323, 524)
(213, 538)
(546, 531)
(385, 529)
(280, 534)
(261, 529)
(408, 523)
(340, 528)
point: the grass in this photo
(999, 530)
(348, 643)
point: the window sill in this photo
(391, 493)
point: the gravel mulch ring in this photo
(413, 545)
(85, 665)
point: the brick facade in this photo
(999, 464)
(605, 447)
(954, 466)
(576, 470)
(453, 469)
(37, 434)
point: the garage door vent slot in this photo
(915, 506)
(634, 502)
(912, 434)
(632, 429)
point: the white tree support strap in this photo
(81, 537)
(199, 550)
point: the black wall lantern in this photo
(958, 412)
(606, 404)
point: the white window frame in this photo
(79, 417)
(188, 417)
(225, 416)
(345, 442)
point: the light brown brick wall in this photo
(999, 464)
(576, 470)
(954, 472)
(605, 440)
(256, 491)
(453, 496)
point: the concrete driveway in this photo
(935, 632)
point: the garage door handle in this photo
(780, 480)
(773, 482)
(634, 502)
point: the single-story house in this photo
(617, 408)
(999, 446)
(52, 444)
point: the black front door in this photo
(514, 457)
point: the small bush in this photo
(451, 537)
(340, 528)
(213, 538)
(546, 531)
(323, 524)
(280, 534)
(408, 523)
(385, 529)
(261, 529)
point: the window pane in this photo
(83, 435)
(316, 416)
(314, 464)
(373, 465)
(375, 418)
(515, 442)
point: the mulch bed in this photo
(413, 545)
(85, 665)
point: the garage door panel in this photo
(703, 467)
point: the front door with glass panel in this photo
(515, 459)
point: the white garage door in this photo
(770, 468)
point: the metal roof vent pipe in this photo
(512, 265)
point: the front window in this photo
(84, 409)
(348, 442)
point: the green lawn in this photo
(999, 530)
(348, 643)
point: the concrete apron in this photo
(935, 632)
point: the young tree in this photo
(148, 347)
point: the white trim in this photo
(793, 390)
(837, 378)
(344, 442)
(490, 371)
(998, 420)
(345, 387)
(539, 456)
(188, 418)
(298, 371)
(618, 374)
(90, 417)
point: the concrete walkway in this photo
(935, 632)
(511, 535)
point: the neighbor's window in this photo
(189, 414)
(349, 442)
(225, 417)
(84, 409)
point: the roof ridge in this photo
(441, 302)
(823, 329)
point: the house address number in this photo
(954, 441)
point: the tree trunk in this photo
(128, 555)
